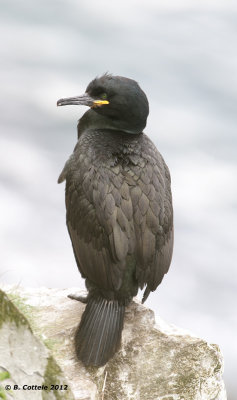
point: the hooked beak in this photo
(84, 100)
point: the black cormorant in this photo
(119, 210)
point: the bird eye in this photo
(103, 96)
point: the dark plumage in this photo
(119, 210)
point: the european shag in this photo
(119, 210)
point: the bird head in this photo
(118, 102)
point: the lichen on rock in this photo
(26, 359)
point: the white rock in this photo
(157, 361)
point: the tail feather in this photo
(99, 332)
(87, 329)
(104, 336)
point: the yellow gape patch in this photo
(99, 103)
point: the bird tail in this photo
(98, 335)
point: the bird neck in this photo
(93, 120)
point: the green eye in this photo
(103, 96)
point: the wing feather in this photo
(116, 210)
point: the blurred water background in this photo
(184, 55)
